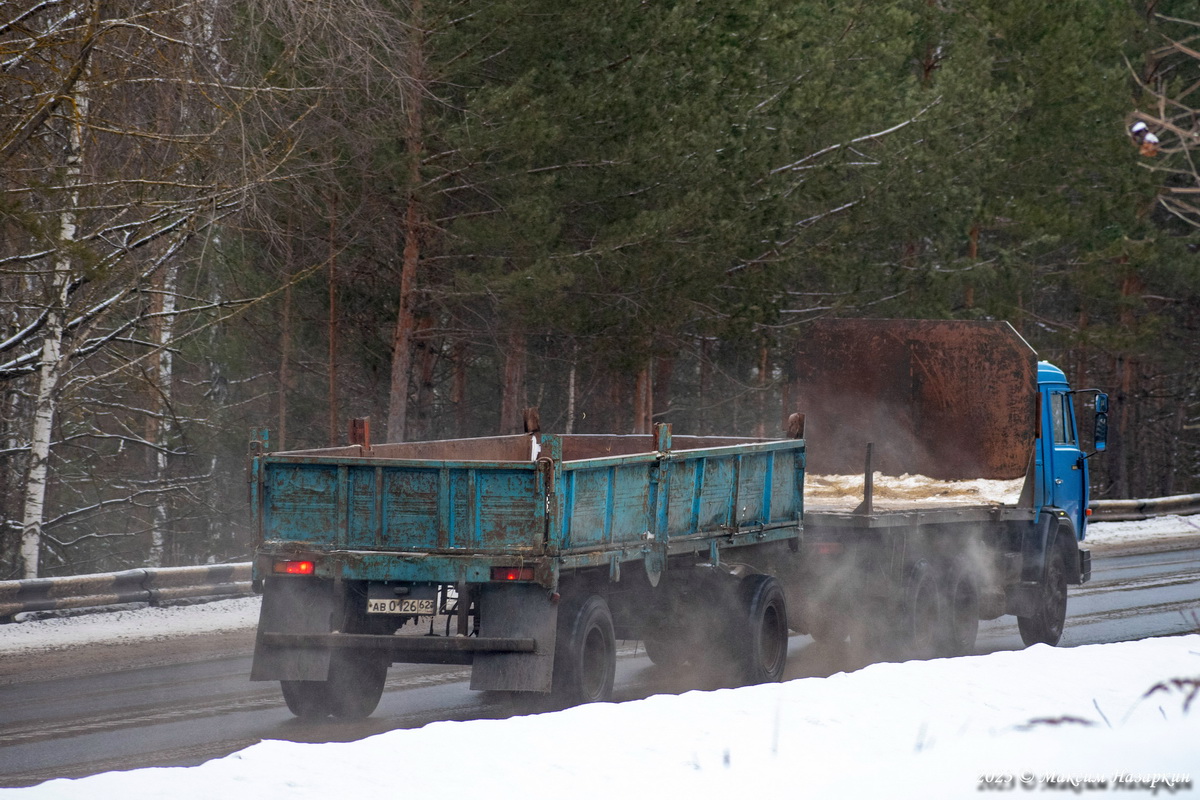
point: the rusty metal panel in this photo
(488, 448)
(300, 502)
(947, 399)
(581, 446)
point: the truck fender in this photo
(294, 605)
(1053, 529)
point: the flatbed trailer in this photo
(540, 551)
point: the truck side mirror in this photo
(1101, 431)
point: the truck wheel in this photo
(961, 609)
(921, 622)
(760, 636)
(585, 654)
(667, 650)
(1045, 626)
(355, 684)
(308, 700)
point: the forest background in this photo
(220, 215)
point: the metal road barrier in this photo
(156, 586)
(1132, 510)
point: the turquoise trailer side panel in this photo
(440, 520)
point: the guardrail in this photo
(1133, 510)
(155, 586)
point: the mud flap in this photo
(519, 611)
(297, 605)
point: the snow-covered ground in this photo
(1098, 718)
(1148, 530)
(132, 625)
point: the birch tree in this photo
(118, 132)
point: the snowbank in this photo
(131, 625)
(1039, 719)
(1168, 527)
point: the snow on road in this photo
(1098, 719)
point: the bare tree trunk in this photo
(1128, 372)
(643, 401)
(571, 397)
(664, 369)
(285, 357)
(414, 144)
(285, 337)
(704, 390)
(428, 361)
(39, 450)
(764, 383)
(512, 399)
(51, 354)
(163, 373)
(458, 387)
(334, 433)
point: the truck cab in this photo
(1061, 475)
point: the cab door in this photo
(1068, 482)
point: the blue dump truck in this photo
(530, 556)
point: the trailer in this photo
(538, 551)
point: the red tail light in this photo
(827, 548)
(512, 573)
(294, 568)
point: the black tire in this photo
(921, 615)
(760, 637)
(355, 678)
(667, 650)
(1045, 626)
(308, 700)
(585, 653)
(355, 684)
(961, 610)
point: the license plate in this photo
(400, 605)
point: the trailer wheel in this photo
(921, 623)
(1045, 626)
(760, 636)
(352, 692)
(585, 654)
(308, 700)
(961, 609)
(355, 684)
